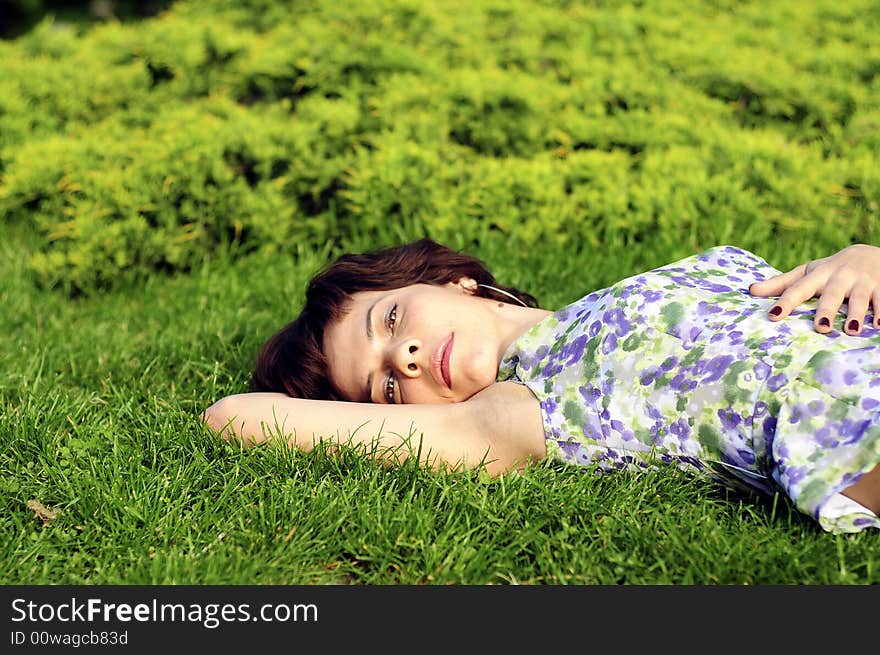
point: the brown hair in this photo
(292, 361)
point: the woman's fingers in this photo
(851, 275)
(832, 297)
(857, 307)
(875, 303)
(775, 285)
(796, 293)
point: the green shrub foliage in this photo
(144, 146)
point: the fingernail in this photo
(776, 311)
(853, 326)
(824, 322)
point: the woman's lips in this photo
(440, 362)
(444, 362)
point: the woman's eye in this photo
(392, 318)
(390, 321)
(389, 390)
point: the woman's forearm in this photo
(437, 433)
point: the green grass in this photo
(98, 405)
(681, 137)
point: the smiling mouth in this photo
(440, 362)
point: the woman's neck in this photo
(513, 321)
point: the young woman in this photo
(418, 351)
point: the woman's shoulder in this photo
(509, 415)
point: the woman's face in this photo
(417, 344)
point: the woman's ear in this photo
(467, 284)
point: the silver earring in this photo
(503, 292)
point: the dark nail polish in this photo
(824, 322)
(776, 311)
(853, 326)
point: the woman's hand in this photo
(853, 273)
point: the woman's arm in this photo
(500, 427)
(852, 273)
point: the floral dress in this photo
(680, 365)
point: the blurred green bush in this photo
(135, 147)
(18, 16)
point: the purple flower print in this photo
(825, 438)
(762, 370)
(586, 392)
(609, 343)
(714, 287)
(729, 419)
(569, 448)
(704, 308)
(716, 367)
(677, 383)
(680, 429)
(852, 430)
(795, 474)
(849, 478)
(815, 407)
(574, 351)
(746, 457)
(616, 319)
(777, 381)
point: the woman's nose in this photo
(405, 357)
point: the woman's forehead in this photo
(349, 329)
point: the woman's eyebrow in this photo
(367, 396)
(370, 322)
